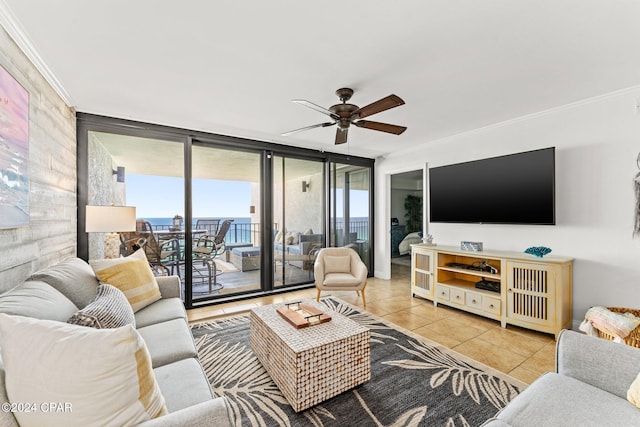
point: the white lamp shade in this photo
(110, 219)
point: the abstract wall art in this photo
(14, 152)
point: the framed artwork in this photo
(14, 152)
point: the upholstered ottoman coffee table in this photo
(246, 259)
(312, 364)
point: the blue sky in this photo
(163, 197)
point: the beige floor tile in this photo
(376, 309)
(430, 312)
(523, 374)
(437, 337)
(455, 329)
(517, 342)
(499, 358)
(407, 320)
(477, 321)
(543, 360)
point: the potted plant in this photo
(413, 205)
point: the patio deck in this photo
(242, 281)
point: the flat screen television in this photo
(512, 189)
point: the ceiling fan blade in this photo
(383, 104)
(316, 107)
(319, 125)
(341, 135)
(383, 127)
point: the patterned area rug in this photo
(414, 381)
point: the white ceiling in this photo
(232, 67)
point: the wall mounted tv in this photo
(513, 189)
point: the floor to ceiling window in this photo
(225, 199)
(350, 220)
(298, 215)
(231, 217)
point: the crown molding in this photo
(13, 27)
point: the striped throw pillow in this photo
(132, 275)
(97, 377)
(109, 309)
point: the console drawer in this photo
(491, 305)
(456, 296)
(443, 293)
(474, 300)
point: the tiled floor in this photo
(519, 352)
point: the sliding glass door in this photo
(148, 174)
(298, 206)
(226, 226)
(232, 217)
(350, 209)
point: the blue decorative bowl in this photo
(538, 251)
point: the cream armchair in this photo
(340, 269)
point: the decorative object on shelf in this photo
(110, 220)
(538, 251)
(428, 240)
(471, 246)
(14, 152)
(302, 315)
(636, 188)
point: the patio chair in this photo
(206, 249)
(340, 269)
(163, 256)
(209, 224)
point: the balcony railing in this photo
(250, 232)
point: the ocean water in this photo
(240, 230)
(168, 222)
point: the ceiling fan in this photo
(345, 115)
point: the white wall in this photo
(597, 143)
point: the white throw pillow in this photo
(132, 275)
(337, 264)
(93, 377)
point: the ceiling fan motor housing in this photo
(344, 112)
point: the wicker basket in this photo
(633, 339)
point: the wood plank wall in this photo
(51, 234)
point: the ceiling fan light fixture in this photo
(346, 114)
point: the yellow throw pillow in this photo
(78, 376)
(633, 394)
(132, 275)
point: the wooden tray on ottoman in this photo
(302, 315)
(310, 365)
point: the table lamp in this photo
(110, 220)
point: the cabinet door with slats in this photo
(531, 293)
(422, 281)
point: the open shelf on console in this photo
(481, 274)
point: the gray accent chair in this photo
(589, 387)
